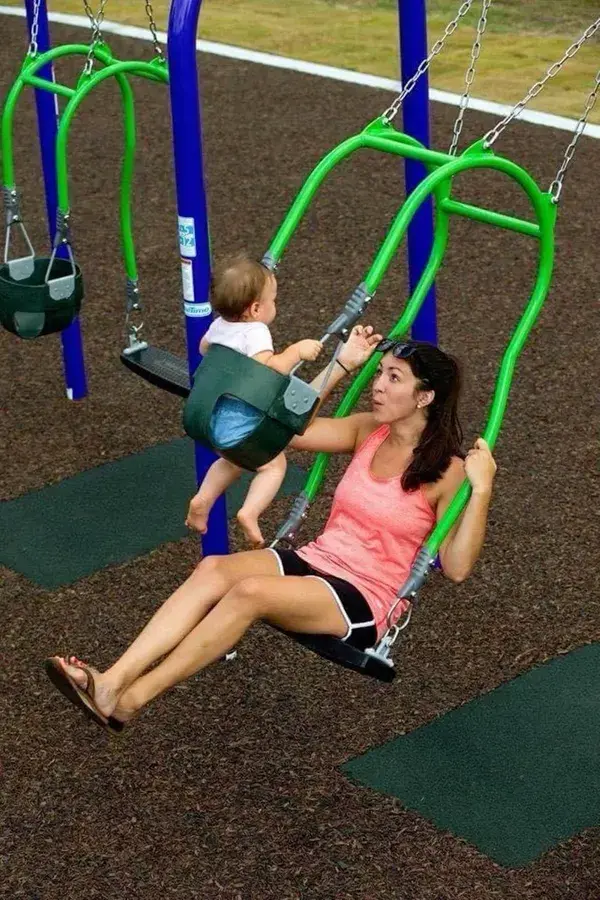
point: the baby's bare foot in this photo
(249, 525)
(197, 517)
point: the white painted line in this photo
(563, 123)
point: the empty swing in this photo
(43, 295)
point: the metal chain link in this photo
(557, 185)
(96, 23)
(533, 91)
(150, 13)
(392, 111)
(470, 76)
(35, 27)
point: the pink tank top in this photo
(373, 533)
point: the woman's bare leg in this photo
(219, 477)
(214, 577)
(302, 604)
(262, 490)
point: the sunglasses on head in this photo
(401, 350)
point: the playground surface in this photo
(233, 786)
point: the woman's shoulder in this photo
(365, 426)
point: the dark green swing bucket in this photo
(285, 403)
(31, 307)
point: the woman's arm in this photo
(460, 551)
(358, 348)
(329, 435)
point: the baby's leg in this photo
(263, 488)
(221, 474)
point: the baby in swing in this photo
(243, 295)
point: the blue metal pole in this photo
(194, 243)
(47, 114)
(412, 18)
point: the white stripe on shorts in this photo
(352, 626)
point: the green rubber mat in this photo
(514, 772)
(107, 515)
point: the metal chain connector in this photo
(63, 229)
(152, 24)
(35, 27)
(533, 91)
(21, 267)
(133, 310)
(470, 76)
(556, 187)
(12, 205)
(392, 111)
(96, 23)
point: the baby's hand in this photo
(309, 350)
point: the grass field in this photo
(524, 37)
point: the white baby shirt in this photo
(248, 338)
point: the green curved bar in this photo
(30, 66)
(475, 157)
(154, 71)
(354, 392)
(376, 136)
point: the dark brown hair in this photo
(442, 436)
(237, 282)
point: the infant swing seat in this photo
(42, 302)
(285, 403)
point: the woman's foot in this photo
(120, 712)
(197, 517)
(249, 525)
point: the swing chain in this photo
(535, 89)
(470, 76)
(557, 185)
(35, 27)
(392, 110)
(152, 24)
(96, 23)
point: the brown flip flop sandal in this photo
(78, 696)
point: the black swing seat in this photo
(160, 368)
(338, 651)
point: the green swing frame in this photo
(30, 298)
(442, 169)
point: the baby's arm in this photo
(204, 345)
(285, 361)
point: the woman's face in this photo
(395, 391)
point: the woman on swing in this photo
(406, 466)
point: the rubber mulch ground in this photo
(229, 787)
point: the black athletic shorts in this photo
(362, 632)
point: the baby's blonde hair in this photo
(236, 283)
